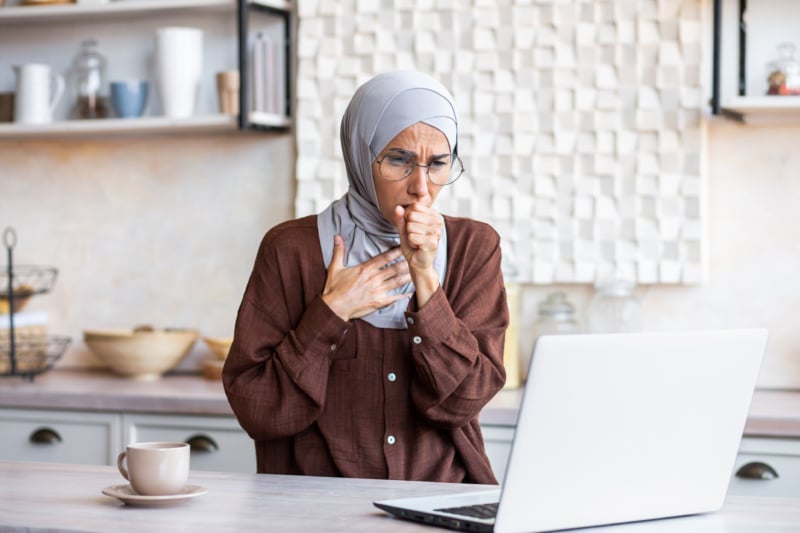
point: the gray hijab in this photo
(380, 109)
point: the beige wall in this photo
(156, 230)
(164, 231)
(754, 251)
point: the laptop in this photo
(614, 428)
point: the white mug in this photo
(179, 65)
(155, 468)
(35, 102)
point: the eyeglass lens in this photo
(399, 164)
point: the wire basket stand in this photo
(26, 354)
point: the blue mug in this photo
(129, 97)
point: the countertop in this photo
(59, 497)
(773, 413)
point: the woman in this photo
(371, 335)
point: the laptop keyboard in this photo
(479, 510)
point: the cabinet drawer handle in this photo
(202, 443)
(756, 470)
(45, 436)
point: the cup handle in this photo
(59, 81)
(120, 466)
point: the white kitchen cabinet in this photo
(87, 437)
(125, 32)
(497, 440)
(218, 443)
(59, 436)
(765, 456)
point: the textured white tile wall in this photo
(580, 122)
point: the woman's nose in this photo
(418, 181)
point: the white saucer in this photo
(125, 493)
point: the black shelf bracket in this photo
(717, 52)
(244, 7)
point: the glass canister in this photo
(783, 74)
(511, 357)
(556, 316)
(88, 79)
(614, 308)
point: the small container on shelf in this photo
(783, 77)
(25, 347)
(88, 79)
(556, 317)
(511, 355)
(614, 308)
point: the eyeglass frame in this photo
(426, 167)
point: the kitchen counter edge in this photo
(773, 413)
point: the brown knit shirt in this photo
(322, 396)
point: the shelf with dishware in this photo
(126, 33)
(756, 73)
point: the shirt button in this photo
(410, 320)
(391, 377)
(417, 339)
(390, 439)
(333, 347)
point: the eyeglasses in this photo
(397, 165)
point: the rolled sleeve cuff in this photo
(321, 330)
(318, 330)
(432, 323)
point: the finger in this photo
(337, 260)
(400, 219)
(381, 260)
(398, 280)
(397, 269)
(417, 228)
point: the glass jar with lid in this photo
(556, 316)
(511, 358)
(89, 83)
(783, 74)
(614, 308)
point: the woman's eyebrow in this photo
(409, 152)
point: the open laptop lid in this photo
(616, 428)
(624, 427)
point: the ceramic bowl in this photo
(212, 369)
(140, 354)
(219, 346)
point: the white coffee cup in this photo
(155, 468)
(38, 91)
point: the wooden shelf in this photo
(122, 127)
(259, 119)
(763, 109)
(128, 10)
(135, 126)
(122, 8)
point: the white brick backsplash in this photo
(580, 122)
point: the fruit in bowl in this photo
(142, 353)
(22, 295)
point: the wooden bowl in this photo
(212, 369)
(140, 354)
(219, 346)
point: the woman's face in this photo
(427, 144)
